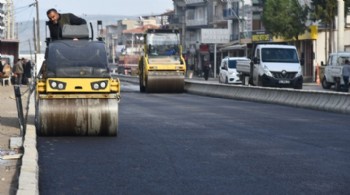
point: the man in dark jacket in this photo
(57, 20)
(346, 75)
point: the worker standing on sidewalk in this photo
(346, 75)
(18, 70)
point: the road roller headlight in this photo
(99, 85)
(57, 85)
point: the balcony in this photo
(218, 19)
(243, 37)
(233, 37)
(246, 35)
(175, 19)
(231, 14)
(196, 22)
(194, 2)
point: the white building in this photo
(2, 18)
(6, 20)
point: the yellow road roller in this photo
(75, 94)
(162, 67)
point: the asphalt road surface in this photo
(188, 144)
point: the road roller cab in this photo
(75, 94)
(162, 67)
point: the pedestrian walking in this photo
(346, 75)
(28, 66)
(18, 71)
(1, 67)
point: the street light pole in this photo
(37, 26)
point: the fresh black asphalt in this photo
(188, 144)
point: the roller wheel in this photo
(325, 84)
(260, 82)
(77, 117)
(37, 119)
(337, 85)
(242, 78)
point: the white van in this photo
(228, 72)
(276, 65)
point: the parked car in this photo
(228, 72)
(333, 72)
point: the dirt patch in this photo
(9, 127)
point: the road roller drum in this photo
(165, 84)
(70, 117)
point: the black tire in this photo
(325, 84)
(337, 85)
(260, 82)
(251, 82)
(298, 86)
(242, 78)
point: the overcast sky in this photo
(91, 7)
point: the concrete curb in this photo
(128, 78)
(28, 182)
(318, 100)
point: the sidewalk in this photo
(10, 158)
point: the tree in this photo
(284, 18)
(325, 11)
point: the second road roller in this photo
(75, 94)
(162, 67)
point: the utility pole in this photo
(35, 41)
(30, 50)
(37, 26)
(183, 27)
(341, 25)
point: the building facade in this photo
(243, 21)
(6, 20)
(2, 18)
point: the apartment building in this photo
(192, 16)
(243, 21)
(126, 36)
(2, 19)
(115, 41)
(7, 20)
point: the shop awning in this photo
(234, 47)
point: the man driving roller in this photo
(57, 20)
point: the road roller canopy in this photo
(77, 58)
(163, 43)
